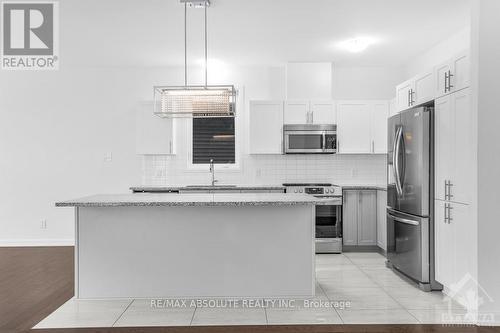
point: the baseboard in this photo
(36, 242)
(360, 248)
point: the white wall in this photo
(486, 71)
(366, 82)
(440, 53)
(56, 129)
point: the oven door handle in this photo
(405, 221)
(323, 141)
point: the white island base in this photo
(194, 251)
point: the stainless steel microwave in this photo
(310, 139)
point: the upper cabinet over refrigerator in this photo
(453, 75)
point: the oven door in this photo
(408, 244)
(309, 142)
(328, 221)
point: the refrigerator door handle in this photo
(402, 220)
(402, 172)
(396, 162)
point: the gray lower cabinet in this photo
(360, 217)
(382, 219)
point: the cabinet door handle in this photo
(412, 93)
(449, 214)
(446, 82)
(445, 190)
(445, 212)
(450, 185)
(409, 100)
(449, 80)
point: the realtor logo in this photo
(30, 35)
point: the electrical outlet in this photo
(258, 172)
(43, 224)
(354, 172)
(160, 173)
(108, 157)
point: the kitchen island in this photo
(194, 245)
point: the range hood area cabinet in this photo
(309, 81)
(300, 112)
(153, 135)
(362, 127)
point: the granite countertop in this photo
(364, 187)
(193, 199)
(167, 188)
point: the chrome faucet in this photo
(212, 171)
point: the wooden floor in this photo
(34, 281)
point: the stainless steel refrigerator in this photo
(410, 196)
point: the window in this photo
(213, 138)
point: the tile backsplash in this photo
(271, 170)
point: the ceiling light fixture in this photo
(356, 45)
(195, 101)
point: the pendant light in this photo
(188, 101)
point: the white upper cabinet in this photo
(442, 78)
(154, 135)
(420, 89)
(310, 112)
(353, 128)
(403, 92)
(453, 75)
(323, 112)
(266, 127)
(424, 88)
(379, 112)
(297, 112)
(454, 147)
(362, 127)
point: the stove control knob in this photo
(295, 190)
(327, 191)
(300, 190)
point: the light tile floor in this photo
(376, 295)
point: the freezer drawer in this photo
(408, 244)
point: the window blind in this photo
(213, 138)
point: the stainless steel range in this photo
(328, 214)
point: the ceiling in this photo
(256, 32)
